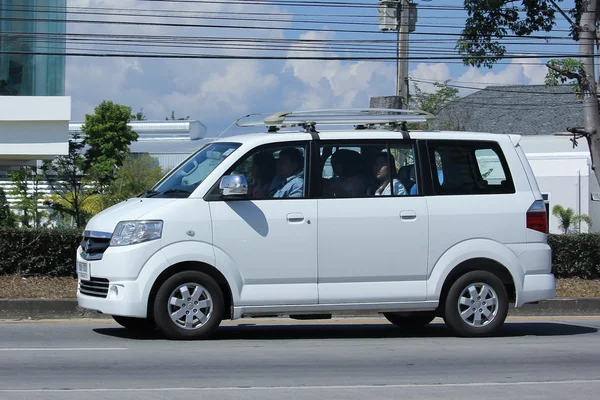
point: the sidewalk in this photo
(68, 309)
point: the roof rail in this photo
(308, 119)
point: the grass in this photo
(15, 287)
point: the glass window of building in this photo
(28, 28)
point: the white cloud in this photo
(234, 90)
(437, 72)
(333, 83)
(210, 90)
(519, 72)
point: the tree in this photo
(108, 136)
(568, 218)
(434, 102)
(136, 175)
(7, 218)
(173, 117)
(139, 116)
(490, 21)
(26, 191)
(71, 187)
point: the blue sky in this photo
(217, 92)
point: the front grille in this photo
(97, 287)
(94, 247)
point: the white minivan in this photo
(306, 222)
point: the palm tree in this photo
(567, 217)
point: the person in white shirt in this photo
(386, 177)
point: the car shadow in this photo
(295, 331)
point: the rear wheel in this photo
(410, 321)
(135, 324)
(476, 304)
(189, 305)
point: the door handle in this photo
(295, 218)
(408, 215)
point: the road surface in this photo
(532, 358)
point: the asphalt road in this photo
(532, 358)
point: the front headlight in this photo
(132, 232)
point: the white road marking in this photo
(324, 387)
(65, 349)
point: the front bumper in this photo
(120, 267)
(123, 298)
(537, 287)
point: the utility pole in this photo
(403, 29)
(399, 16)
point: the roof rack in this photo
(361, 118)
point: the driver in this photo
(289, 181)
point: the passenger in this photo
(385, 176)
(289, 181)
(347, 181)
(263, 172)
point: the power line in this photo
(136, 13)
(18, 34)
(241, 44)
(178, 25)
(246, 57)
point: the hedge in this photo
(29, 252)
(51, 252)
(575, 255)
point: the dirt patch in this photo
(15, 287)
(577, 287)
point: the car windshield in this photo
(183, 180)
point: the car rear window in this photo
(469, 167)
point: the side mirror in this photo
(234, 186)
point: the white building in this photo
(31, 129)
(169, 141)
(564, 176)
(34, 111)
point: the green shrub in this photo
(52, 252)
(29, 252)
(575, 255)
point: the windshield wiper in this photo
(154, 193)
(149, 193)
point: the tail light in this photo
(537, 218)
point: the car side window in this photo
(461, 168)
(366, 170)
(274, 172)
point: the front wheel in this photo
(188, 305)
(476, 304)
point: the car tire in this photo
(476, 304)
(140, 325)
(188, 305)
(410, 321)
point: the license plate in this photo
(83, 270)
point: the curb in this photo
(68, 309)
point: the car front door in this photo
(270, 237)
